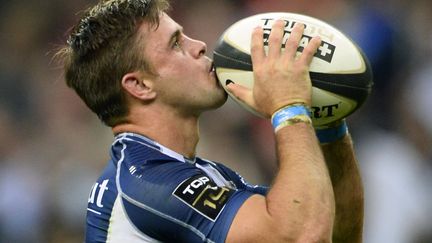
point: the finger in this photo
(275, 38)
(242, 93)
(310, 50)
(292, 43)
(257, 45)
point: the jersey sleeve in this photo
(177, 202)
(241, 183)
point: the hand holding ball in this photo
(340, 73)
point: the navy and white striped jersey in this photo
(149, 193)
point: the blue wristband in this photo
(288, 113)
(332, 134)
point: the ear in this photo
(138, 86)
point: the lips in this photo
(212, 68)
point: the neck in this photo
(175, 132)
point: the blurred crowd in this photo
(52, 147)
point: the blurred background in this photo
(52, 147)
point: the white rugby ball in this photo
(340, 72)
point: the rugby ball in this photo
(341, 74)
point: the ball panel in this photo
(326, 106)
(348, 85)
(329, 107)
(227, 56)
(329, 57)
(354, 85)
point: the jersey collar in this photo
(153, 145)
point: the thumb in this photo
(245, 95)
(242, 93)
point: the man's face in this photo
(186, 79)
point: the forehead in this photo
(155, 38)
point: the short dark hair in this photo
(102, 47)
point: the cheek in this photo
(186, 74)
(177, 69)
(180, 69)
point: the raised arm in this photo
(347, 184)
(300, 204)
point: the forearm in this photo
(300, 206)
(348, 190)
(301, 197)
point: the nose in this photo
(198, 48)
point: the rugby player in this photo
(136, 68)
